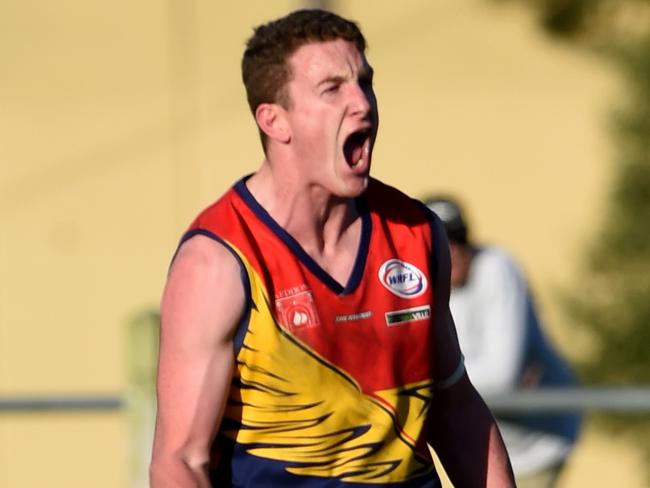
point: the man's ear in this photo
(271, 119)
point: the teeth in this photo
(365, 154)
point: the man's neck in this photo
(326, 227)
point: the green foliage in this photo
(611, 299)
(621, 255)
(565, 17)
(614, 293)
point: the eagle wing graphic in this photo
(291, 405)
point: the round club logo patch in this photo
(403, 279)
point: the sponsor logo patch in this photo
(403, 279)
(408, 315)
(353, 316)
(296, 310)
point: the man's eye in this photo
(332, 89)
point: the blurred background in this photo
(120, 120)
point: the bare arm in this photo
(467, 439)
(201, 306)
(462, 429)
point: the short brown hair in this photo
(265, 70)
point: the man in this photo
(505, 348)
(306, 338)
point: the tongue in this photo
(353, 148)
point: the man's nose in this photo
(361, 99)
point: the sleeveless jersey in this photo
(333, 382)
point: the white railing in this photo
(547, 400)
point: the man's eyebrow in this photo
(331, 79)
(366, 72)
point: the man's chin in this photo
(357, 186)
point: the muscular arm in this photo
(201, 305)
(462, 429)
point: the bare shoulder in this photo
(203, 255)
(204, 292)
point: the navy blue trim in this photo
(362, 253)
(242, 326)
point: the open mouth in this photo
(357, 148)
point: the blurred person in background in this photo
(505, 348)
(306, 338)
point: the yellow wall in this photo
(120, 120)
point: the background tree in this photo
(611, 297)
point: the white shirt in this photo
(500, 336)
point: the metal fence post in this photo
(142, 350)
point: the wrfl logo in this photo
(403, 279)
